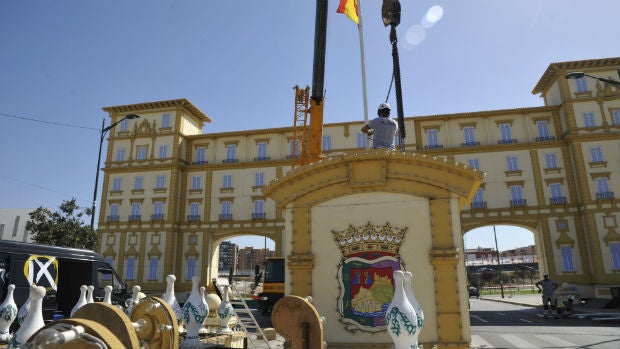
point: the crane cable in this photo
(391, 16)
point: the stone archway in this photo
(420, 194)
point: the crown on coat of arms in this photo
(370, 238)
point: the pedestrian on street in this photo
(547, 287)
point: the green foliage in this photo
(62, 228)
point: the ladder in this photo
(247, 321)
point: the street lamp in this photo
(579, 75)
(499, 264)
(104, 130)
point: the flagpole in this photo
(363, 63)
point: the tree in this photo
(62, 228)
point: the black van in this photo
(61, 270)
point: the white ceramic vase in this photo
(195, 312)
(400, 318)
(225, 312)
(81, 301)
(34, 319)
(107, 297)
(23, 311)
(8, 313)
(89, 294)
(171, 298)
(419, 312)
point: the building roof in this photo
(182, 102)
(554, 68)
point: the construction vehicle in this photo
(273, 284)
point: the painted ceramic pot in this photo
(400, 318)
(34, 319)
(419, 312)
(171, 298)
(225, 312)
(81, 301)
(195, 311)
(8, 313)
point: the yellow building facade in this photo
(173, 192)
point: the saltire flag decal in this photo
(349, 8)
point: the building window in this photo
(158, 211)
(596, 154)
(516, 196)
(432, 136)
(113, 217)
(259, 179)
(615, 114)
(478, 200)
(124, 126)
(543, 131)
(194, 212)
(120, 155)
(469, 135)
(160, 181)
(165, 120)
(196, 182)
(130, 269)
(163, 151)
(226, 211)
(567, 258)
(141, 153)
(512, 163)
(614, 248)
(506, 133)
(227, 181)
(602, 189)
(200, 155)
(191, 268)
(557, 196)
(294, 149)
(135, 211)
(588, 119)
(153, 268)
(117, 184)
(475, 163)
(259, 209)
(138, 183)
(551, 160)
(362, 140)
(231, 150)
(261, 151)
(582, 84)
(327, 143)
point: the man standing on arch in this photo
(383, 129)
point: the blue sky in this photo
(62, 61)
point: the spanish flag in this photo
(349, 8)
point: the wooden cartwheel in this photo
(91, 327)
(157, 323)
(113, 318)
(290, 314)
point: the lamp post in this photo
(499, 264)
(579, 75)
(104, 130)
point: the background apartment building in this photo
(172, 193)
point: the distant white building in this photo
(13, 224)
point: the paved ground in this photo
(535, 300)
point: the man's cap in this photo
(546, 274)
(384, 106)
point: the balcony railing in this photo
(433, 146)
(546, 138)
(113, 218)
(291, 156)
(135, 217)
(200, 162)
(518, 203)
(558, 200)
(229, 161)
(193, 218)
(258, 215)
(262, 158)
(478, 205)
(470, 144)
(157, 217)
(225, 216)
(507, 141)
(605, 195)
